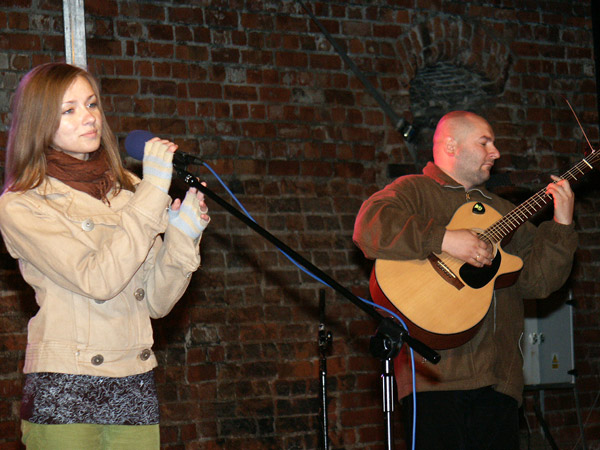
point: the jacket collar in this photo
(63, 198)
(442, 178)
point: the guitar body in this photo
(442, 299)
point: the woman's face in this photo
(80, 126)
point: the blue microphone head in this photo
(135, 142)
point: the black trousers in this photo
(480, 419)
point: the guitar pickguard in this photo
(478, 277)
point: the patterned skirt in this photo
(58, 398)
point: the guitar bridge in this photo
(445, 272)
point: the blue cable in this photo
(412, 354)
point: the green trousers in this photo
(83, 436)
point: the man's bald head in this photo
(463, 147)
(455, 125)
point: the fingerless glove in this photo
(187, 217)
(158, 165)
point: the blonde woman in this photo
(104, 254)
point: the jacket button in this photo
(145, 354)
(139, 294)
(87, 225)
(97, 360)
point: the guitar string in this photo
(593, 156)
(519, 215)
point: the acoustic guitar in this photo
(443, 300)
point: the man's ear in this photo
(450, 145)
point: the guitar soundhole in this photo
(477, 277)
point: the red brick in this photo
(263, 96)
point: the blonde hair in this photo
(36, 114)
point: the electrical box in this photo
(547, 342)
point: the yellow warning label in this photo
(555, 361)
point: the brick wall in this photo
(255, 88)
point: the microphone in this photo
(136, 140)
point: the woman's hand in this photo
(157, 165)
(191, 215)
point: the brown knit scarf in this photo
(91, 176)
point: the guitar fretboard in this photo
(526, 210)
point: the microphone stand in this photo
(325, 339)
(390, 335)
(386, 346)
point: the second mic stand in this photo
(325, 339)
(385, 345)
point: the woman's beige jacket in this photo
(100, 272)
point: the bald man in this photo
(470, 399)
